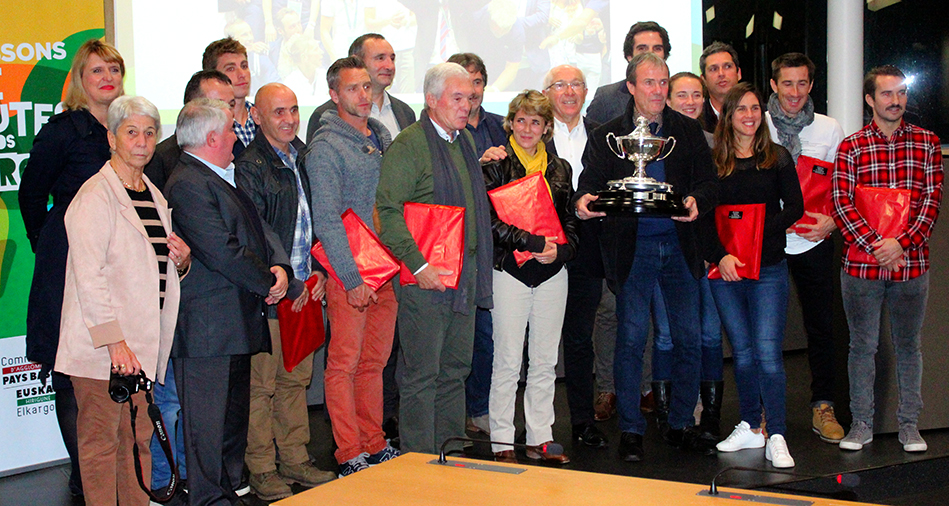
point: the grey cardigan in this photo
(343, 167)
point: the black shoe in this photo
(689, 439)
(631, 447)
(589, 435)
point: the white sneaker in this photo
(777, 452)
(742, 438)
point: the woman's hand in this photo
(728, 267)
(319, 289)
(549, 255)
(124, 361)
(179, 252)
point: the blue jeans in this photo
(754, 313)
(662, 340)
(863, 303)
(478, 384)
(712, 368)
(658, 259)
(166, 398)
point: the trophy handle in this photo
(663, 157)
(610, 144)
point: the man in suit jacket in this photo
(238, 266)
(610, 100)
(639, 252)
(379, 58)
(565, 86)
(203, 84)
(720, 71)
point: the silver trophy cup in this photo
(639, 193)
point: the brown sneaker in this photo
(825, 425)
(305, 474)
(269, 486)
(605, 406)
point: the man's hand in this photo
(728, 267)
(550, 251)
(493, 154)
(300, 301)
(361, 296)
(818, 231)
(279, 288)
(889, 254)
(428, 278)
(693, 209)
(583, 211)
(319, 289)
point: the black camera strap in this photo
(155, 415)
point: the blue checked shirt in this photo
(246, 131)
(303, 232)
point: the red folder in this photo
(375, 262)
(741, 230)
(526, 204)
(815, 176)
(886, 210)
(439, 232)
(300, 333)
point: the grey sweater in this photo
(343, 167)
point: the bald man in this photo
(270, 171)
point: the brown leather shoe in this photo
(605, 406)
(507, 456)
(647, 403)
(540, 453)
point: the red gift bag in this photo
(526, 204)
(815, 176)
(300, 333)
(375, 262)
(439, 232)
(885, 210)
(741, 230)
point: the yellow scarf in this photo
(536, 163)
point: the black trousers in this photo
(215, 407)
(813, 273)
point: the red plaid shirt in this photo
(911, 159)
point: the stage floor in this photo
(888, 475)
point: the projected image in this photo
(295, 41)
(519, 40)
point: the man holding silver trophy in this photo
(641, 245)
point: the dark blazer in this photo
(166, 158)
(404, 116)
(589, 260)
(609, 101)
(688, 168)
(67, 151)
(710, 120)
(508, 238)
(232, 250)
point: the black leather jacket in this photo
(508, 238)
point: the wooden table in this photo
(413, 480)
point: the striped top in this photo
(145, 207)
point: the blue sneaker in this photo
(387, 453)
(353, 465)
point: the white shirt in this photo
(818, 140)
(226, 173)
(570, 145)
(385, 115)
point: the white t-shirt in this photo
(818, 140)
(349, 22)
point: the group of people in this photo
(250, 199)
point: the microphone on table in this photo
(550, 448)
(847, 480)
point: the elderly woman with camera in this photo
(120, 302)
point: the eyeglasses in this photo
(576, 86)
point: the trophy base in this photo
(628, 202)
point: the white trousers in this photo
(515, 306)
